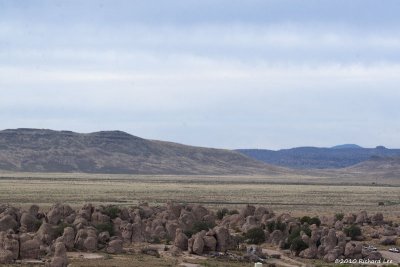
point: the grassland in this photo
(23, 189)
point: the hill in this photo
(319, 158)
(35, 150)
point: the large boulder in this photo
(8, 222)
(115, 246)
(362, 217)
(181, 240)
(353, 250)
(223, 239)
(30, 249)
(60, 256)
(198, 244)
(6, 256)
(210, 243)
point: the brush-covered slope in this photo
(319, 158)
(34, 150)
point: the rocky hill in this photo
(34, 150)
(319, 158)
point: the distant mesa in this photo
(345, 146)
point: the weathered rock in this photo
(388, 240)
(69, 238)
(104, 237)
(248, 210)
(198, 245)
(115, 247)
(60, 256)
(30, 249)
(181, 240)
(210, 243)
(377, 219)
(6, 256)
(251, 222)
(8, 222)
(276, 237)
(223, 238)
(353, 250)
(99, 218)
(362, 217)
(46, 233)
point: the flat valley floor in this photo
(294, 195)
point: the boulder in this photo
(6, 256)
(210, 243)
(388, 240)
(30, 249)
(181, 240)
(60, 256)
(362, 217)
(377, 219)
(115, 247)
(8, 222)
(198, 245)
(223, 238)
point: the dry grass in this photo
(211, 191)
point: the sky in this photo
(216, 73)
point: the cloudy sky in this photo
(218, 73)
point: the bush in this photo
(310, 221)
(272, 226)
(112, 212)
(197, 227)
(298, 245)
(315, 220)
(231, 212)
(255, 236)
(339, 216)
(352, 231)
(305, 219)
(105, 227)
(221, 213)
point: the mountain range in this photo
(36, 150)
(341, 156)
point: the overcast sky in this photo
(217, 73)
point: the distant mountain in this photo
(346, 146)
(34, 150)
(378, 166)
(319, 158)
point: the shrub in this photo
(352, 231)
(339, 216)
(197, 227)
(310, 221)
(105, 227)
(255, 236)
(305, 219)
(112, 212)
(221, 213)
(315, 220)
(298, 245)
(231, 212)
(272, 226)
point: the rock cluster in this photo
(35, 234)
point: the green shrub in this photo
(315, 220)
(112, 212)
(305, 219)
(339, 216)
(310, 221)
(199, 226)
(105, 227)
(221, 213)
(231, 212)
(352, 231)
(298, 245)
(255, 236)
(272, 226)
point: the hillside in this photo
(319, 158)
(34, 150)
